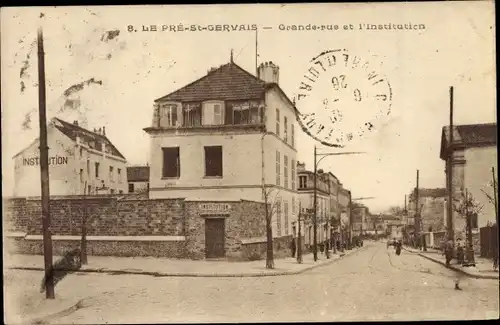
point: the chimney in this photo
(269, 72)
(212, 69)
(103, 130)
(301, 166)
(100, 131)
(75, 122)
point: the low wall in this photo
(105, 246)
(258, 250)
(135, 227)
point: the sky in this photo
(456, 48)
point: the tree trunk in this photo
(269, 233)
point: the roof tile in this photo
(228, 82)
(72, 130)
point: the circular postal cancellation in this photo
(342, 98)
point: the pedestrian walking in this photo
(293, 247)
(398, 248)
(460, 252)
(449, 251)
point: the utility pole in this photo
(350, 220)
(315, 226)
(83, 248)
(417, 216)
(316, 162)
(299, 239)
(44, 172)
(451, 230)
(495, 193)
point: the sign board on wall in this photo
(35, 161)
(216, 207)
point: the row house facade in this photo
(431, 208)
(332, 202)
(228, 135)
(81, 162)
(473, 155)
(360, 214)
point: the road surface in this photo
(373, 284)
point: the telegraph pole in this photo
(315, 223)
(299, 240)
(83, 249)
(495, 193)
(350, 220)
(451, 230)
(316, 162)
(44, 172)
(417, 216)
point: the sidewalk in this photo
(185, 268)
(24, 304)
(482, 270)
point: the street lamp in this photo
(315, 219)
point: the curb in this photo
(196, 275)
(472, 275)
(46, 318)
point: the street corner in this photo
(53, 309)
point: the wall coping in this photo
(111, 238)
(15, 234)
(254, 240)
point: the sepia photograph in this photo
(247, 163)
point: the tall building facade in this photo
(472, 154)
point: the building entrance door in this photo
(214, 237)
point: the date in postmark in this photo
(342, 98)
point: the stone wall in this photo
(258, 250)
(171, 249)
(106, 216)
(111, 217)
(245, 219)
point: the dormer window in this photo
(212, 113)
(168, 115)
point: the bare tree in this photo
(272, 202)
(468, 207)
(491, 196)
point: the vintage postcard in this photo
(249, 163)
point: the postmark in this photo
(342, 98)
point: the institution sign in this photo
(35, 161)
(216, 207)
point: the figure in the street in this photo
(398, 248)
(293, 247)
(448, 251)
(460, 251)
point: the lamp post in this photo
(316, 163)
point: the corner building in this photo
(227, 136)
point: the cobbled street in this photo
(373, 284)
